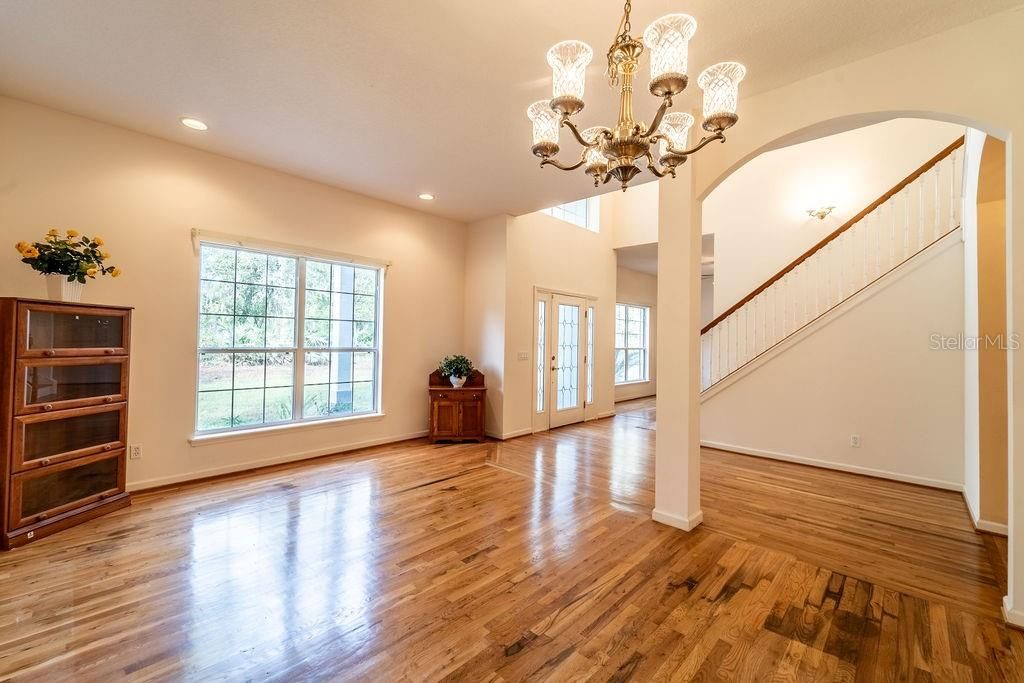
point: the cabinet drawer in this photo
(50, 330)
(46, 492)
(462, 395)
(45, 385)
(49, 438)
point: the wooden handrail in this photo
(837, 232)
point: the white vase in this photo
(59, 289)
(457, 382)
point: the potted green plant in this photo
(456, 368)
(67, 261)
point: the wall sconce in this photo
(821, 213)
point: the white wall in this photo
(144, 195)
(707, 299)
(486, 260)
(866, 368)
(759, 214)
(974, 143)
(634, 287)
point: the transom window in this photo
(284, 339)
(585, 213)
(632, 343)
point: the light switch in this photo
(523, 355)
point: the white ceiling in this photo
(391, 98)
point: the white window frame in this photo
(298, 349)
(591, 219)
(644, 348)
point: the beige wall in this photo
(144, 195)
(634, 287)
(867, 368)
(633, 214)
(486, 260)
(759, 214)
(992, 363)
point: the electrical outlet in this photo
(135, 451)
(854, 440)
(523, 355)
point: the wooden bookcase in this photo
(457, 414)
(63, 415)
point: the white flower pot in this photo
(59, 289)
(457, 382)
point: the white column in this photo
(677, 441)
(1013, 604)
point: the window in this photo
(585, 213)
(284, 339)
(631, 343)
(542, 355)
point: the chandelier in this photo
(618, 152)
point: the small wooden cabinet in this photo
(457, 414)
(63, 415)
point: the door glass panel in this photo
(541, 354)
(48, 491)
(590, 354)
(568, 356)
(52, 437)
(61, 330)
(51, 383)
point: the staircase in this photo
(905, 221)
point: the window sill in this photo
(635, 381)
(243, 434)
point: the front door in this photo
(568, 346)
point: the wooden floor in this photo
(527, 560)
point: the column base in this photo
(1012, 617)
(678, 521)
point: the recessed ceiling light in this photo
(426, 196)
(194, 124)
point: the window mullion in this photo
(300, 343)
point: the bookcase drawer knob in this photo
(109, 352)
(49, 352)
(40, 517)
(108, 399)
(44, 462)
(108, 447)
(47, 406)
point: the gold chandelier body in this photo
(618, 152)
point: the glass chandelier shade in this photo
(568, 61)
(668, 40)
(545, 123)
(676, 129)
(720, 84)
(593, 155)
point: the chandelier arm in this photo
(653, 167)
(560, 166)
(704, 142)
(660, 114)
(576, 133)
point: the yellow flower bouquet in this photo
(72, 255)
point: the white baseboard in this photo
(842, 467)
(678, 521)
(606, 413)
(1014, 617)
(984, 524)
(516, 433)
(266, 462)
